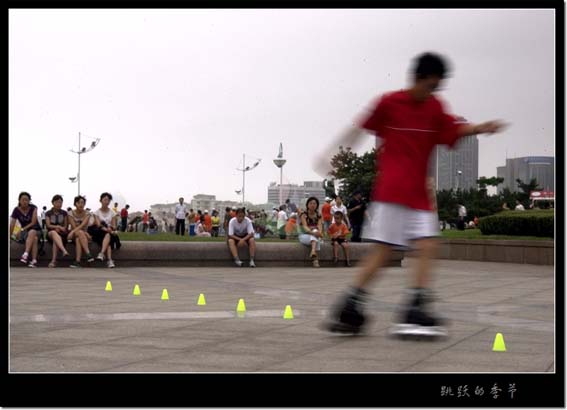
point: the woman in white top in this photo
(104, 228)
(339, 206)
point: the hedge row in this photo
(519, 223)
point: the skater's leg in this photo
(347, 315)
(427, 251)
(371, 264)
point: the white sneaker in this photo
(238, 263)
(252, 264)
(110, 263)
(100, 257)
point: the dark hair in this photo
(105, 194)
(337, 213)
(127, 206)
(430, 64)
(22, 194)
(56, 198)
(239, 210)
(78, 198)
(227, 209)
(312, 198)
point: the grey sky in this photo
(177, 96)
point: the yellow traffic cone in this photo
(136, 290)
(108, 287)
(241, 308)
(499, 345)
(288, 313)
(201, 300)
(164, 295)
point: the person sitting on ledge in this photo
(241, 233)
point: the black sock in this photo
(417, 297)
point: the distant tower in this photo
(279, 162)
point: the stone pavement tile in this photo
(215, 361)
(150, 366)
(166, 342)
(36, 363)
(307, 364)
(494, 361)
(104, 331)
(103, 351)
(22, 345)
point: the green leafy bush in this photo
(519, 223)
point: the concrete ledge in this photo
(509, 251)
(148, 253)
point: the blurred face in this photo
(57, 204)
(80, 205)
(312, 205)
(240, 216)
(24, 201)
(426, 86)
(338, 201)
(338, 218)
(105, 201)
(180, 200)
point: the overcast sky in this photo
(177, 96)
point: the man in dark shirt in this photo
(356, 209)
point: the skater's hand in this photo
(490, 127)
(322, 166)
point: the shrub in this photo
(519, 223)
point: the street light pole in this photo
(279, 162)
(79, 172)
(244, 169)
(80, 151)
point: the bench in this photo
(150, 253)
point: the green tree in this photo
(483, 182)
(356, 171)
(524, 196)
(509, 197)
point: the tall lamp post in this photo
(81, 151)
(279, 162)
(244, 170)
(459, 173)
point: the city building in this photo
(526, 169)
(456, 168)
(296, 193)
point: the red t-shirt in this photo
(410, 130)
(326, 212)
(342, 229)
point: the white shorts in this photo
(397, 224)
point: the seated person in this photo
(57, 222)
(200, 229)
(338, 232)
(291, 225)
(79, 220)
(29, 229)
(241, 233)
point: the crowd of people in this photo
(81, 226)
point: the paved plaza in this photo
(63, 320)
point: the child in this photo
(338, 231)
